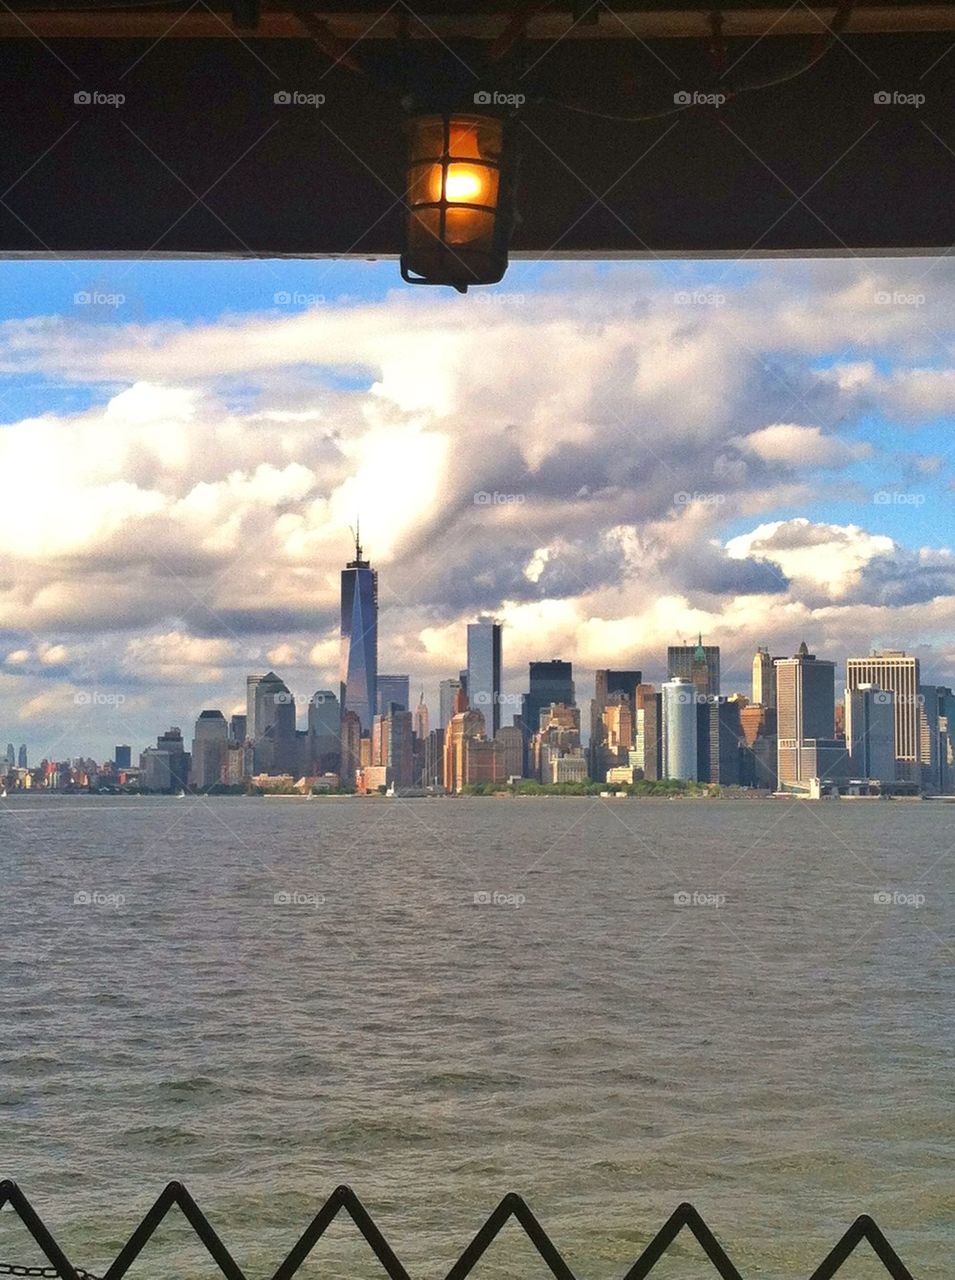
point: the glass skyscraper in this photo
(359, 639)
(484, 672)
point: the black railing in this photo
(512, 1206)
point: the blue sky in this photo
(757, 450)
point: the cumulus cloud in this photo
(604, 469)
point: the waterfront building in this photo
(759, 758)
(465, 727)
(558, 734)
(433, 771)
(930, 756)
(568, 766)
(648, 732)
(209, 745)
(251, 685)
(484, 671)
(393, 689)
(238, 728)
(512, 743)
(805, 714)
(123, 757)
(893, 671)
(679, 729)
(275, 748)
(22, 757)
(719, 738)
(946, 739)
(699, 663)
(350, 748)
(324, 732)
(171, 742)
(870, 733)
(156, 770)
(359, 639)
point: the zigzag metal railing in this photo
(512, 1206)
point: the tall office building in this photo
(251, 684)
(275, 747)
(870, 732)
(679, 730)
(393, 689)
(484, 671)
(359, 639)
(699, 663)
(806, 716)
(421, 718)
(719, 741)
(764, 679)
(930, 755)
(123, 757)
(648, 732)
(447, 692)
(895, 672)
(946, 739)
(209, 749)
(609, 684)
(547, 683)
(239, 728)
(324, 731)
(171, 744)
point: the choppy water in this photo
(782, 1059)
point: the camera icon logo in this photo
(482, 98)
(883, 898)
(82, 98)
(682, 98)
(82, 899)
(882, 99)
(282, 98)
(282, 298)
(482, 899)
(681, 899)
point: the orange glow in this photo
(465, 183)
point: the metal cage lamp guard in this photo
(459, 199)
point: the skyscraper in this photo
(895, 672)
(484, 671)
(421, 718)
(607, 684)
(699, 663)
(870, 732)
(547, 683)
(393, 689)
(447, 692)
(679, 730)
(209, 748)
(324, 731)
(764, 680)
(251, 684)
(359, 639)
(122, 757)
(806, 715)
(275, 745)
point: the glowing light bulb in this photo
(463, 183)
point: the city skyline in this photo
(767, 462)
